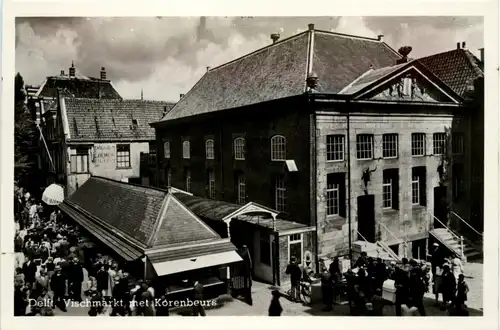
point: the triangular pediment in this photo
(410, 82)
(179, 225)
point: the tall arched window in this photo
(186, 150)
(166, 149)
(278, 147)
(239, 148)
(210, 149)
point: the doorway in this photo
(366, 217)
(419, 249)
(440, 206)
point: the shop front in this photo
(271, 239)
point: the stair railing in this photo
(461, 219)
(388, 249)
(459, 238)
(390, 232)
(364, 239)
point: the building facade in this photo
(337, 132)
(464, 73)
(97, 137)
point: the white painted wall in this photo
(102, 162)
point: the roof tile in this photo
(279, 71)
(178, 225)
(101, 120)
(81, 86)
(457, 68)
(128, 208)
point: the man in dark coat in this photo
(29, 270)
(417, 290)
(117, 295)
(401, 284)
(327, 290)
(198, 299)
(58, 286)
(295, 275)
(75, 280)
(247, 259)
(20, 301)
(275, 308)
(362, 261)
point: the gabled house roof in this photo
(107, 120)
(135, 218)
(280, 70)
(457, 68)
(77, 86)
(425, 86)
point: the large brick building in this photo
(323, 127)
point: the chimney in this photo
(380, 37)
(208, 68)
(464, 45)
(181, 96)
(311, 27)
(404, 51)
(481, 52)
(458, 45)
(62, 72)
(103, 73)
(72, 70)
(275, 37)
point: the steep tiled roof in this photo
(339, 59)
(101, 120)
(78, 86)
(279, 71)
(148, 216)
(368, 78)
(131, 209)
(179, 225)
(207, 208)
(457, 68)
(216, 210)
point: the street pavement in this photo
(261, 294)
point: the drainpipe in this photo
(221, 162)
(348, 103)
(314, 142)
(276, 260)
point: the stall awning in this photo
(187, 264)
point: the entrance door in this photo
(440, 206)
(366, 217)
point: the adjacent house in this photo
(463, 72)
(102, 137)
(339, 133)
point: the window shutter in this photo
(395, 190)
(342, 195)
(423, 187)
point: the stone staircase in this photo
(373, 250)
(452, 242)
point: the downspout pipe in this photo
(314, 143)
(348, 117)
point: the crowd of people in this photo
(363, 284)
(53, 271)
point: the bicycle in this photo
(304, 292)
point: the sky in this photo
(166, 56)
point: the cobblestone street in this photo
(261, 294)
